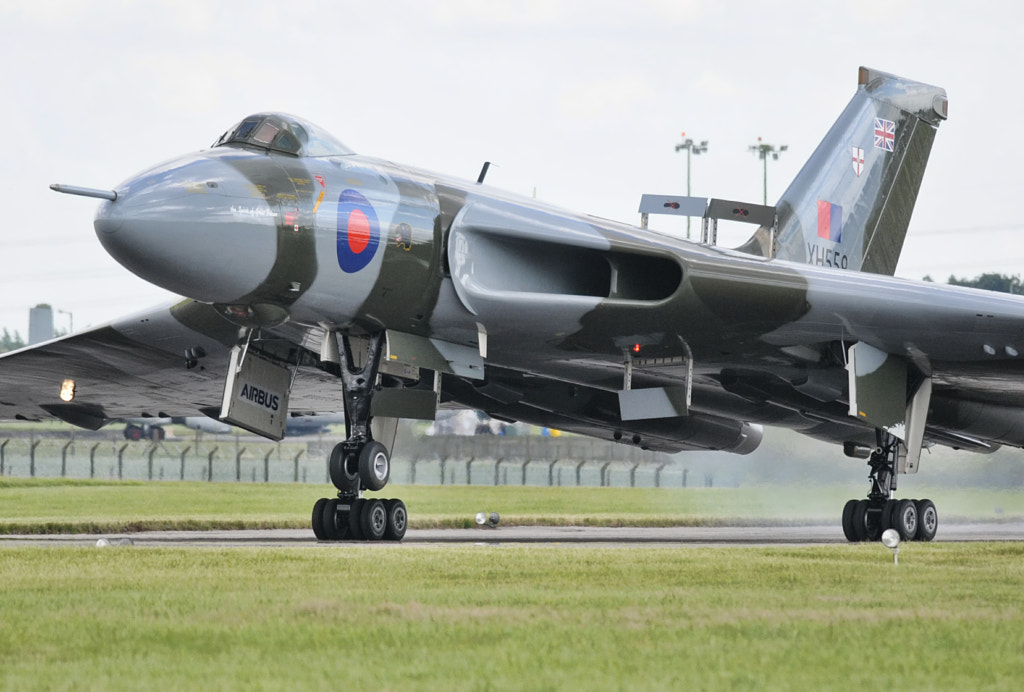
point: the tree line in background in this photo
(989, 282)
(10, 342)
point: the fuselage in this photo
(353, 243)
(318, 236)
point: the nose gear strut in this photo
(360, 462)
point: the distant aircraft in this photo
(465, 423)
(314, 275)
(153, 428)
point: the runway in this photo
(721, 536)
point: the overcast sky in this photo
(581, 101)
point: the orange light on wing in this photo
(67, 390)
(636, 348)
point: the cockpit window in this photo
(283, 133)
(246, 128)
(265, 134)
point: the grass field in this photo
(56, 505)
(506, 617)
(512, 618)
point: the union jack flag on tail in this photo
(885, 134)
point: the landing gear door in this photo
(878, 388)
(256, 395)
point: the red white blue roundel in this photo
(358, 232)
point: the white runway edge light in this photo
(108, 542)
(490, 520)
(891, 539)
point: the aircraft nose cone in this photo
(195, 226)
(108, 224)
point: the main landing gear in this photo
(360, 462)
(865, 520)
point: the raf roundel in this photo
(358, 232)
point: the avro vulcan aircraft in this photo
(314, 276)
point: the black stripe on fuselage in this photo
(290, 190)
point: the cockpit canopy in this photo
(283, 133)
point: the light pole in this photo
(71, 320)
(763, 151)
(691, 148)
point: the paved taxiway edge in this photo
(538, 535)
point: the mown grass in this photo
(84, 506)
(512, 617)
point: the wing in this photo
(166, 362)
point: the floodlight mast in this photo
(763, 151)
(691, 147)
(71, 320)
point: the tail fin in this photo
(850, 205)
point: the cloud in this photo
(675, 11)
(715, 85)
(525, 13)
(609, 97)
(33, 12)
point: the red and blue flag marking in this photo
(830, 221)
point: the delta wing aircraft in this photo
(313, 276)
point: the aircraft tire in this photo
(873, 522)
(860, 520)
(374, 520)
(374, 466)
(905, 519)
(887, 510)
(319, 530)
(848, 531)
(927, 520)
(355, 521)
(335, 521)
(398, 520)
(343, 476)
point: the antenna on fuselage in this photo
(483, 172)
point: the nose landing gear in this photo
(360, 462)
(355, 465)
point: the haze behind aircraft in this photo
(153, 428)
(314, 275)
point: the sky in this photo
(580, 103)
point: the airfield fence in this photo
(423, 460)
